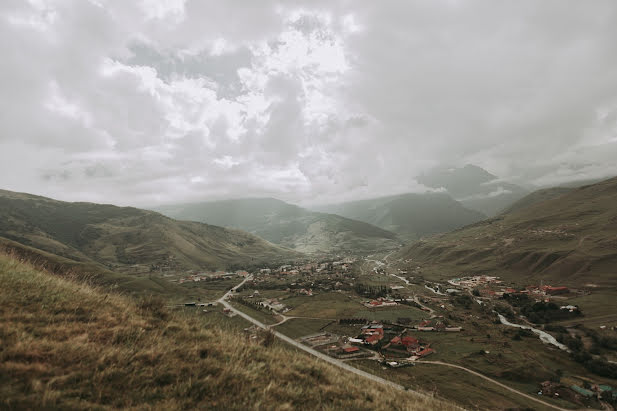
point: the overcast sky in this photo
(157, 101)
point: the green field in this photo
(470, 391)
(326, 305)
(599, 308)
(391, 313)
(262, 316)
(299, 327)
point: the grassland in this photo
(69, 346)
(468, 390)
(300, 327)
(325, 305)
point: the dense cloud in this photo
(315, 101)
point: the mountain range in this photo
(288, 225)
(118, 237)
(567, 236)
(411, 215)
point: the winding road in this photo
(349, 368)
(321, 356)
(530, 397)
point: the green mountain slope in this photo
(68, 346)
(410, 215)
(288, 225)
(571, 239)
(475, 188)
(123, 236)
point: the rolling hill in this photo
(412, 216)
(124, 236)
(288, 225)
(66, 346)
(475, 188)
(570, 239)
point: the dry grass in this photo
(65, 345)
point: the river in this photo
(544, 336)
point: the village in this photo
(364, 312)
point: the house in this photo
(555, 290)
(409, 341)
(425, 352)
(350, 350)
(373, 339)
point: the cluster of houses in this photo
(274, 305)
(483, 283)
(310, 268)
(471, 283)
(573, 392)
(391, 343)
(380, 302)
(209, 276)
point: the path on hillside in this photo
(316, 353)
(531, 397)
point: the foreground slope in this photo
(410, 215)
(117, 236)
(288, 225)
(68, 346)
(570, 239)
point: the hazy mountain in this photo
(570, 239)
(409, 215)
(121, 236)
(288, 225)
(475, 188)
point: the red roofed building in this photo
(409, 341)
(373, 339)
(425, 352)
(556, 290)
(349, 350)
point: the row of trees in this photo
(372, 291)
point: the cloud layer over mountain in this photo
(159, 101)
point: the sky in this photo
(166, 101)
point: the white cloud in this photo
(141, 102)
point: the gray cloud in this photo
(151, 102)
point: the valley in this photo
(453, 316)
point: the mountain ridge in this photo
(123, 236)
(288, 225)
(570, 239)
(411, 215)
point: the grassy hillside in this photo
(288, 225)
(68, 346)
(410, 215)
(536, 197)
(122, 236)
(571, 239)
